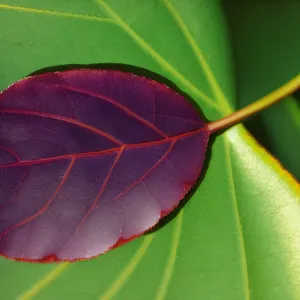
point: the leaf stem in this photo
(257, 106)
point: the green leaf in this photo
(267, 55)
(238, 236)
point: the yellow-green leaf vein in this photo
(215, 87)
(128, 270)
(243, 255)
(43, 282)
(168, 272)
(54, 13)
(157, 57)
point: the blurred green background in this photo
(267, 53)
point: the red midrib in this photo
(103, 152)
(97, 198)
(102, 189)
(120, 150)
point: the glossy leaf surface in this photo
(91, 159)
(238, 236)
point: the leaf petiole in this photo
(257, 106)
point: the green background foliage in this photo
(267, 51)
(238, 235)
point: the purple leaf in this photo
(91, 159)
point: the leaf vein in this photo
(215, 87)
(46, 206)
(43, 282)
(156, 165)
(243, 257)
(155, 55)
(102, 189)
(102, 152)
(116, 104)
(169, 268)
(54, 13)
(128, 270)
(14, 154)
(64, 119)
(15, 193)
